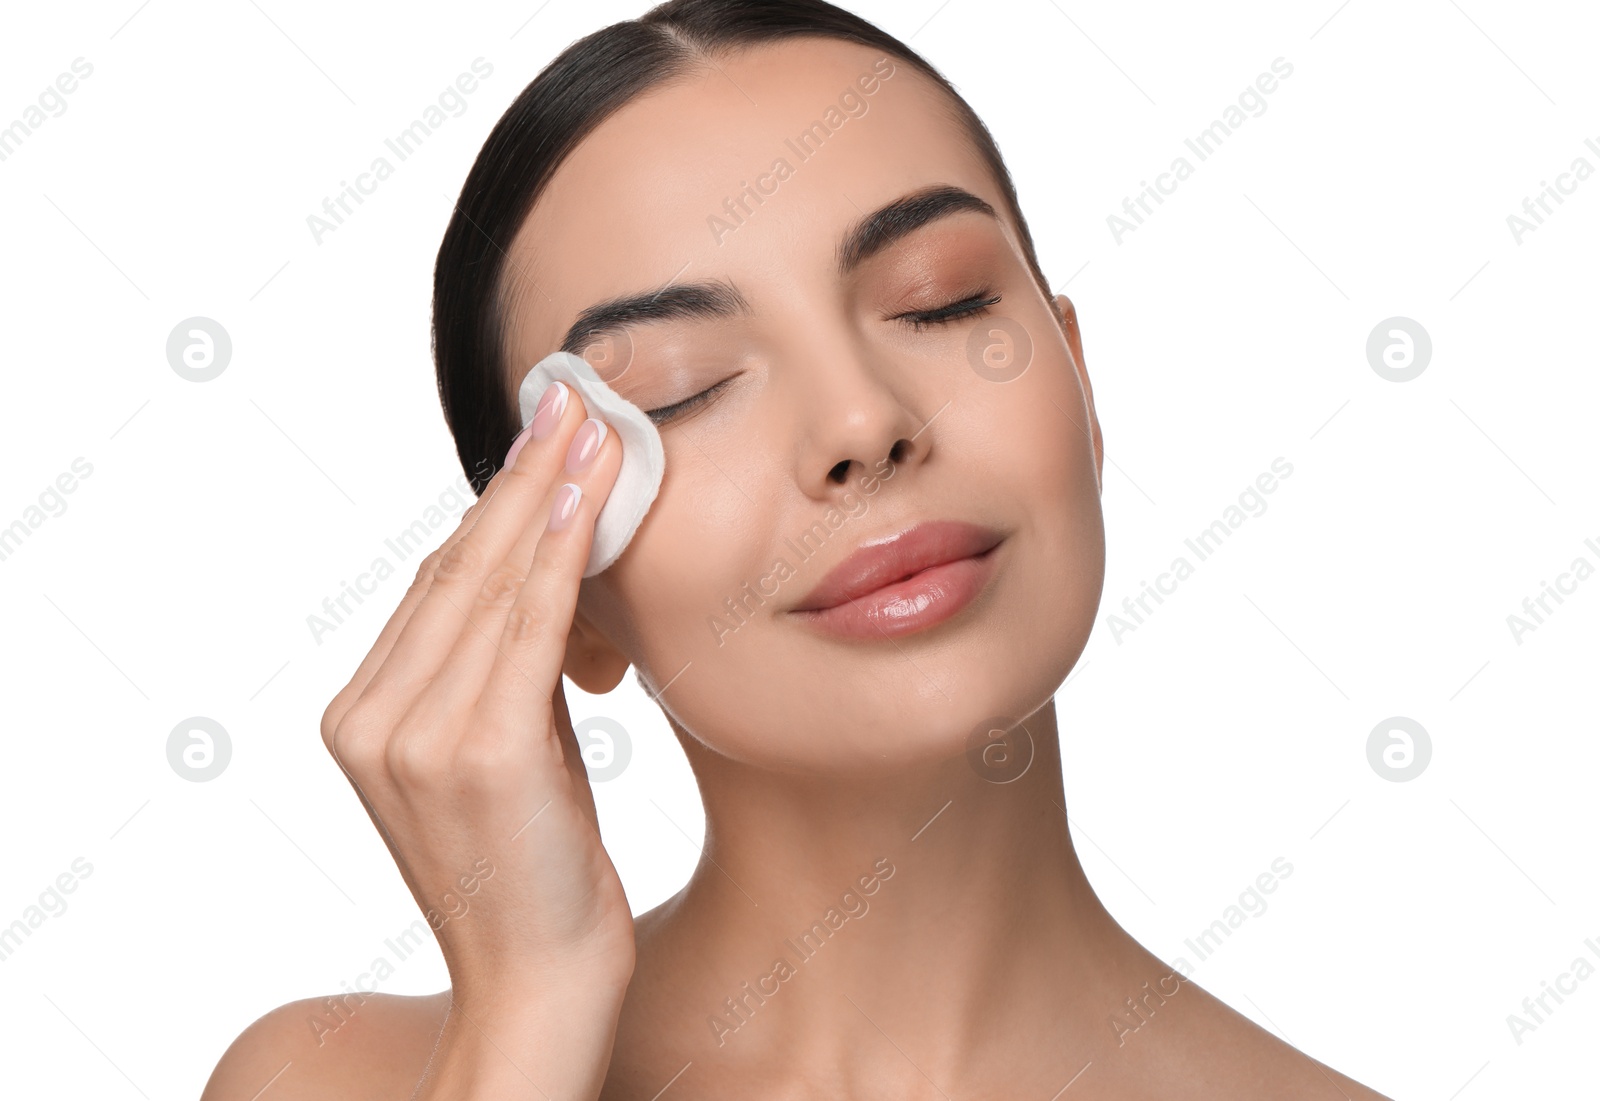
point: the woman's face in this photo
(823, 372)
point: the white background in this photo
(1230, 329)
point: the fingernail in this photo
(585, 445)
(565, 506)
(548, 414)
(516, 446)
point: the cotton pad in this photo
(643, 460)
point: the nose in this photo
(857, 418)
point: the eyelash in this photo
(672, 412)
(974, 306)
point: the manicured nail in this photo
(565, 506)
(585, 445)
(516, 446)
(548, 414)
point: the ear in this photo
(1069, 325)
(592, 663)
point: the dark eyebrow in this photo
(886, 225)
(719, 299)
(711, 299)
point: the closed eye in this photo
(672, 412)
(975, 306)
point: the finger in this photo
(441, 615)
(465, 671)
(403, 611)
(479, 650)
(532, 643)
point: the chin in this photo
(946, 709)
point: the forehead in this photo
(749, 170)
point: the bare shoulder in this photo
(1266, 1065)
(1353, 1089)
(1334, 1084)
(348, 1046)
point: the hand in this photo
(455, 734)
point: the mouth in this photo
(907, 582)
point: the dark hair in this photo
(591, 79)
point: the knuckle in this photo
(357, 736)
(524, 624)
(410, 759)
(331, 715)
(501, 587)
(463, 559)
(405, 760)
(426, 569)
(530, 473)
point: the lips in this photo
(884, 562)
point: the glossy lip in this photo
(912, 604)
(911, 582)
(877, 564)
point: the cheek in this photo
(1044, 423)
(710, 651)
(691, 583)
(1029, 438)
(703, 599)
(1040, 465)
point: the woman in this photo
(786, 237)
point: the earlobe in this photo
(592, 663)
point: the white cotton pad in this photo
(643, 460)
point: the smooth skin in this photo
(983, 965)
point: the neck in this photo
(935, 908)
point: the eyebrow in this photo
(712, 299)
